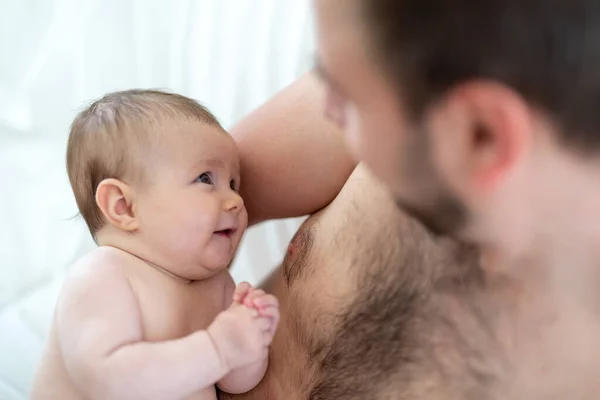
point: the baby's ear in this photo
(115, 200)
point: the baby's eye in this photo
(206, 178)
(232, 185)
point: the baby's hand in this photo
(266, 304)
(241, 291)
(241, 336)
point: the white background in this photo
(56, 56)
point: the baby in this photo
(153, 312)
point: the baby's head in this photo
(155, 174)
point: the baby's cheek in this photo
(244, 218)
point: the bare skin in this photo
(546, 334)
(293, 160)
(535, 344)
(153, 342)
(437, 167)
(139, 319)
(326, 290)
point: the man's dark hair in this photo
(546, 50)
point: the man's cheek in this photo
(355, 135)
(379, 150)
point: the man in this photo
(374, 307)
(359, 312)
(481, 117)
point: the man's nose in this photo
(233, 202)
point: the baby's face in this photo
(190, 211)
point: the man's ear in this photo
(481, 131)
(115, 200)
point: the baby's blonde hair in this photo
(108, 138)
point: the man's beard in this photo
(444, 216)
(439, 210)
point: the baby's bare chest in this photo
(172, 310)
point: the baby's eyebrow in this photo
(214, 163)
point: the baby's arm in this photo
(100, 335)
(243, 379)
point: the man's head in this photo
(157, 169)
(463, 105)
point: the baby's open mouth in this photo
(225, 232)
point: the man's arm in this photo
(294, 161)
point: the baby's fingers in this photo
(241, 291)
(252, 296)
(272, 313)
(269, 311)
(266, 300)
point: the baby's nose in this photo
(233, 203)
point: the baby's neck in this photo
(132, 245)
(165, 271)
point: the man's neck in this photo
(564, 245)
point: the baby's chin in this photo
(211, 267)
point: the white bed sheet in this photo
(58, 55)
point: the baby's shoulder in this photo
(96, 288)
(106, 259)
(102, 267)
